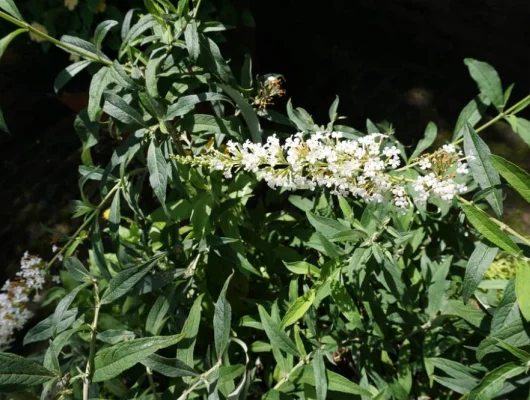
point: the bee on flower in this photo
(39, 27)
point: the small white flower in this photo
(425, 164)
(56, 279)
(449, 148)
(462, 168)
(54, 249)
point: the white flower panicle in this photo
(15, 296)
(365, 168)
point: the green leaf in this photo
(143, 24)
(112, 361)
(213, 60)
(81, 47)
(345, 303)
(428, 139)
(326, 226)
(17, 373)
(321, 381)
(191, 36)
(6, 40)
(508, 309)
(248, 113)
(118, 108)
(157, 166)
(437, 288)
(522, 355)
(3, 125)
(45, 329)
(522, 288)
(76, 270)
(478, 263)
(336, 382)
(515, 176)
(99, 83)
(65, 303)
(115, 336)
(185, 104)
(298, 309)
(9, 7)
(513, 333)
(277, 336)
(456, 385)
(481, 168)
(68, 73)
(491, 384)
(122, 283)
(298, 118)
(302, 268)
(523, 129)
(488, 81)
(470, 314)
(454, 369)
(101, 31)
(222, 320)
(156, 317)
(115, 217)
(122, 78)
(200, 216)
(482, 223)
(471, 114)
(189, 331)
(171, 367)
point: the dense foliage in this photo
(229, 251)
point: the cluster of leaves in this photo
(182, 284)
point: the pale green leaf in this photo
(522, 289)
(482, 223)
(298, 309)
(321, 381)
(157, 166)
(185, 104)
(481, 168)
(6, 40)
(514, 175)
(488, 81)
(191, 36)
(490, 385)
(248, 113)
(99, 83)
(347, 307)
(222, 320)
(68, 73)
(471, 114)
(9, 7)
(101, 31)
(302, 268)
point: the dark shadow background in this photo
(395, 60)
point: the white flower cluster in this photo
(15, 296)
(364, 168)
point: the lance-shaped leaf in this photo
(171, 367)
(428, 139)
(298, 309)
(101, 31)
(488, 81)
(471, 114)
(277, 336)
(490, 385)
(3, 125)
(17, 373)
(191, 36)
(122, 283)
(112, 361)
(222, 320)
(478, 263)
(9, 7)
(68, 73)
(321, 380)
(481, 168)
(522, 289)
(4, 42)
(76, 269)
(157, 165)
(185, 104)
(482, 223)
(514, 175)
(118, 108)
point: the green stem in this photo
(83, 226)
(199, 381)
(480, 128)
(500, 224)
(300, 364)
(89, 371)
(151, 382)
(58, 43)
(196, 11)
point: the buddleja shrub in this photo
(224, 260)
